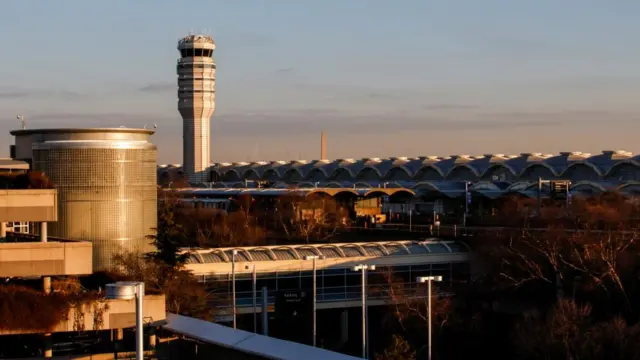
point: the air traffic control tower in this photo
(196, 103)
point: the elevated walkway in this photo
(206, 262)
(284, 268)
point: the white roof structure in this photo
(247, 342)
(339, 250)
(525, 166)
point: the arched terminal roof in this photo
(575, 165)
(450, 189)
(302, 191)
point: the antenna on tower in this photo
(155, 126)
(22, 121)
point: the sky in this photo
(382, 78)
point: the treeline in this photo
(27, 180)
(570, 291)
(289, 219)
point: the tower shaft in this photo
(196, 103)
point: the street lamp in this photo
(314, 258)
(233, 284)
(365, 328)
(253, 288)
(428, 280)
(127, 290)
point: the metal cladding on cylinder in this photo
(106, 181)
(196, 70)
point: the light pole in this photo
(233, 284)
(410, 220)
(127, 290)
(428, 280)
(365, 328)
(315, 293)
(467, 201)
(254, 280)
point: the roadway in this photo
(445, 231)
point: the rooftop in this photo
(195, 38)
(22, 132)
(11, 164)
(247, 342)
(427, 167)
(342, 250)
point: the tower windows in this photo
(195, 66)
(196, 52)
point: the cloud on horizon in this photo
(8, 92)
(159, 88)
(282, 132)
(288, 70)
(293, 122)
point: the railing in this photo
(430, 230)
(330, 294)
(458, 230)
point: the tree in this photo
(311, 217)
(28, 180)
(169, 236)
(184, 294)
(569, 332)
(163, 271)
(409, 306)
(399, 349)
(216, 228)
(584, 245)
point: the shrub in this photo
(29, 310)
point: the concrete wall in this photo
(120, 314)
(45, 259)
(29, 205)
(23, 148)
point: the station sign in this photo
(293, 303)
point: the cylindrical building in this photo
(196, 102)
(106, 181)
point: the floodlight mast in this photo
(22, 122)
(365, 328)
(428, 280)
(127, 290)
(315, 293)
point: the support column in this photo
(265, 311)
(48, 343)
(46, 284)
(344, 326)
(117, 344)
(152, 340)
(3, 229)
(43, 231)
(48, 346)
(46, 280)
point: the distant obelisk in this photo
(323, 146)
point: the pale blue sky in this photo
(383, 78)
